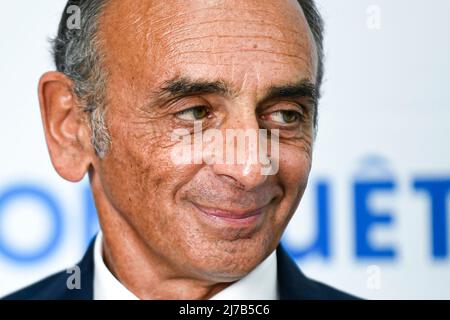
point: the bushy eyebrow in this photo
(181, 87)
(303, 88)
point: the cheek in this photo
(295, 165)
(139, 173)
(294, 168)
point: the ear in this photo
(66, 131)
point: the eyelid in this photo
(298, 108)
(177, 114)
(284, 125)
(192, 107)
(281, 105)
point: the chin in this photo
(227, 261)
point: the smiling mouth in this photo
(233, 218)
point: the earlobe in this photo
(66, 132)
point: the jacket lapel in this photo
(86, 265)
(290, 279)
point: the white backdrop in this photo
(381, 174)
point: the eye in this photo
(193, 114)
(284, 116)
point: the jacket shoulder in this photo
(55, 287)
(52, 287)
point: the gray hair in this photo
(77, 54)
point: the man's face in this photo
(156, 55)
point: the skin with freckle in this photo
(157, 241)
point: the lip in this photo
(233, 217)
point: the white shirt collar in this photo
(106, 285)
(260, 284)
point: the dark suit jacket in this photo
(293, 284)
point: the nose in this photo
(241, 165)
(246, 176)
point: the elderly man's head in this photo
(136, 71)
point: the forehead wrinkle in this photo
(227, 64)
(195, 41)
(202, 58)
(268, 37)
(243, 44)
(153, 13)
(123, 16)
(251, 31)
(231, 12)
(169, 23)
(218, 52)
